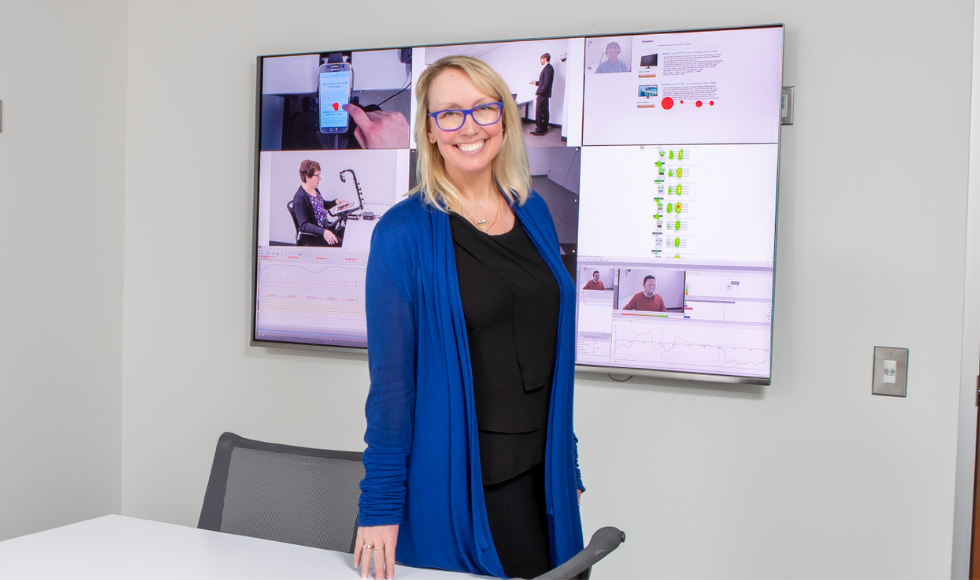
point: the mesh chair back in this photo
(288, 494)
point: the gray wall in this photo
(811, 477)
(62, 159)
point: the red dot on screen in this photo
(667, 102)
(697, 104)
(682, 102)
(712, 103)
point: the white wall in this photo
(62, 156)
(966, 452)
(811, 477)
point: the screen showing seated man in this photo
(647, 299)
(651, 290)
(609, 55)
(597, 279)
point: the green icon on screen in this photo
(659, 164)
(670, 208)
(678, 190)
(670, 190)
(657, 216)
(679, 170)
(671, 153)
(677, 226)
(680, 154)
(677, 242)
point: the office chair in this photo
(603, 541)
(296, 495)
(299, 235)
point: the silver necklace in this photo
(479, 223)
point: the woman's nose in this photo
(469, 125)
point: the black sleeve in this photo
(305, 215)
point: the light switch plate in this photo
(786, 105)
(890, 371)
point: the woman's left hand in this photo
(378, 542)
(579, 496)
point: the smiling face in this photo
(470, 150)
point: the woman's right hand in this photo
(329, 237)
(377, 541)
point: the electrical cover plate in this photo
(890, 371)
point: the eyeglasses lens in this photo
(450, 120)
(487, 114)
(483, 115)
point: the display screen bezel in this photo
(587, 368)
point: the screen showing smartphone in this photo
(335, 90)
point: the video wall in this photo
(657, 154)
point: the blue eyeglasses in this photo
(453, 119)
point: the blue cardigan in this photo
(422, 462)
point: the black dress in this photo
(510, 303)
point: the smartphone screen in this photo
(334, 94)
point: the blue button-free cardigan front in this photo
(422, 460)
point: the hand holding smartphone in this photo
(335, 89)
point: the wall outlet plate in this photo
(890, 371)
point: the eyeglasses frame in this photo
(470, 113)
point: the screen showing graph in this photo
(657, 154)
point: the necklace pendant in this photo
(481, 222)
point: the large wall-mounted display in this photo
(659, 165)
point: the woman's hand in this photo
(579, 496)
(380, 542)
(329, 237)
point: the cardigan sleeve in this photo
(545, 212)
(391, 400)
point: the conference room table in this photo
(123, 547)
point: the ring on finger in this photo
(376, 549)
(368, 546)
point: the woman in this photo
(310, 209)
(470, 318)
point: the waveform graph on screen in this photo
(678, 344)
(309, 298)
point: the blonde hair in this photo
(511, 171)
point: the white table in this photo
(122, 547)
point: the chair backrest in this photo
(603, 541)
(296, 495)
(292, 214)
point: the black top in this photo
(510, 302)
